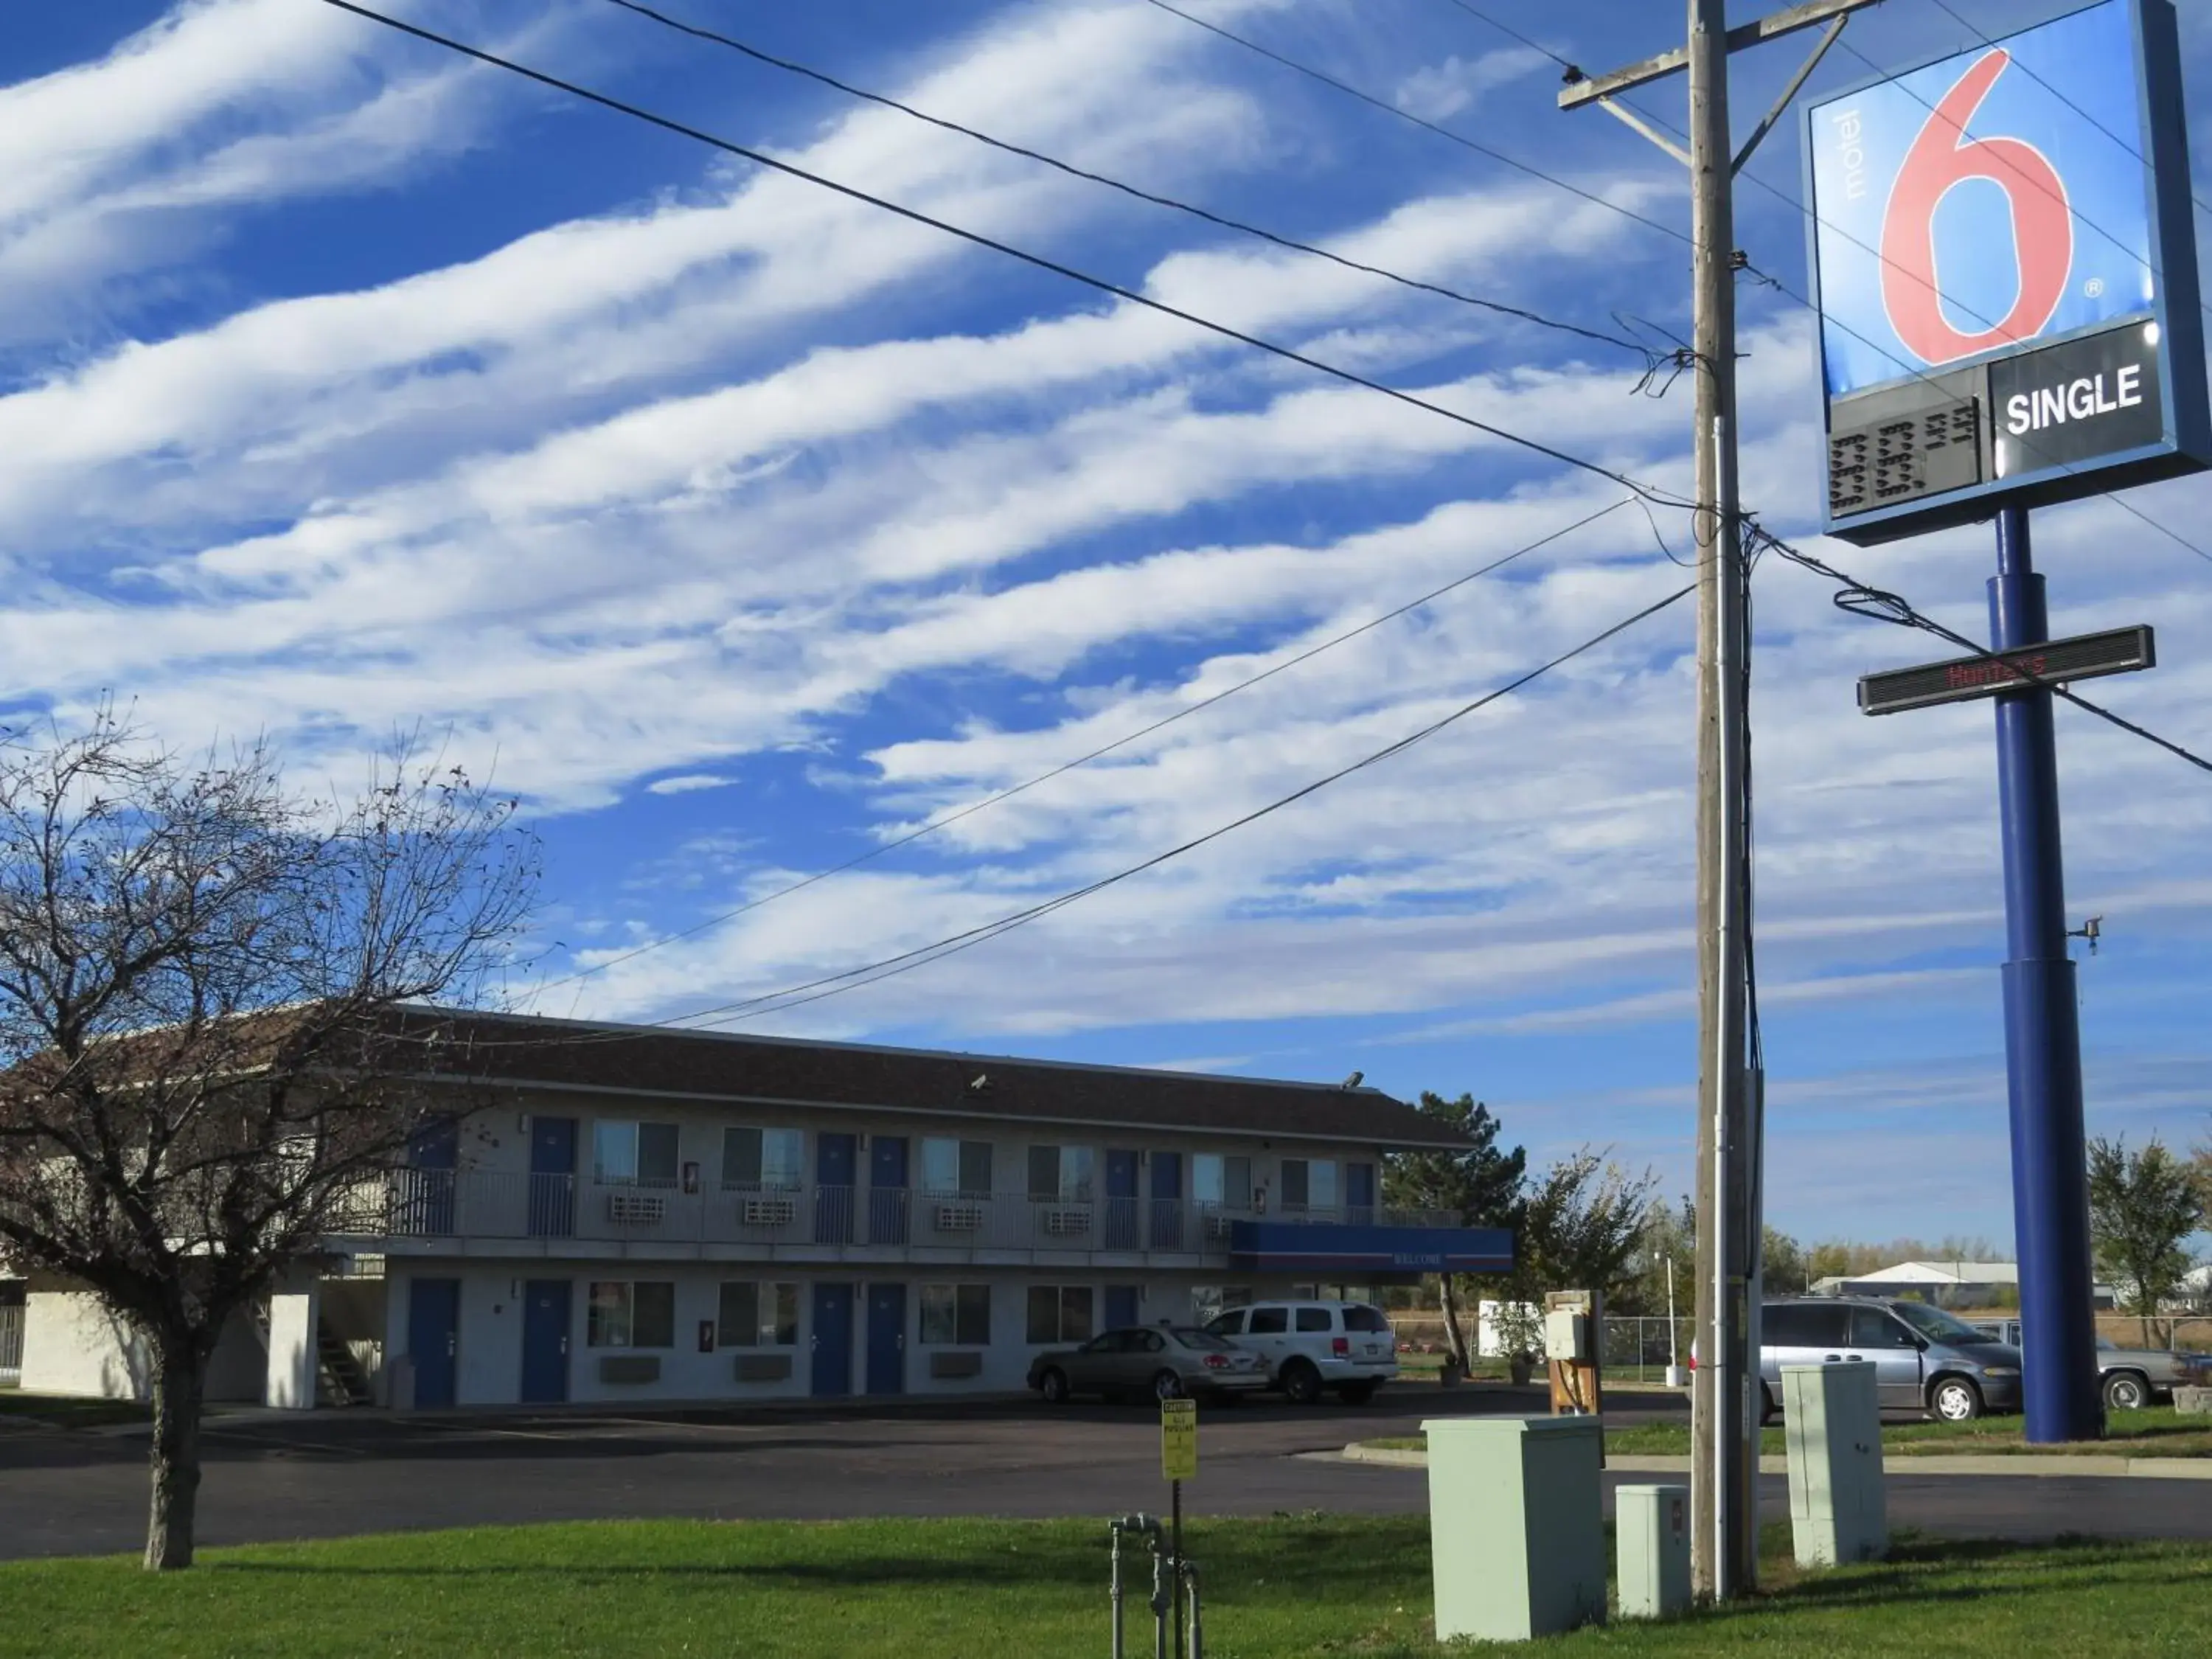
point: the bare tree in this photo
(205, 1030)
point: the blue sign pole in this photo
(2042, 1035)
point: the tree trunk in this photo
(1454, 1335)
(179, 1390)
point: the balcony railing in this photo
(439, 1204)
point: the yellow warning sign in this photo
(1179, 1439)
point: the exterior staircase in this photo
(339, 1378)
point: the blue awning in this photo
(1331, 1247)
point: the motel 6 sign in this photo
(2006, 271)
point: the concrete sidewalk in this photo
(2098, 1466)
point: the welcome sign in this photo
(2007, 276)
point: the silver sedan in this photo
(1168, 1362)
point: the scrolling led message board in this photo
(2006, 271)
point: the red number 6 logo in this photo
(2042, 224)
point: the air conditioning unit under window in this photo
(769, 1211)
(1067, 1219)
(959, 1217)
(636, 1209)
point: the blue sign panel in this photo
(2017, 212)
(1322, 1247)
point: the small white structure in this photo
(1651, 1528)
(1832, 1420)
(1516, 1526)
(1498, 1324)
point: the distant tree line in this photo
(1588, 1223)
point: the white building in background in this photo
(1946, 1284)
(643, 1213)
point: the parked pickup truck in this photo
(2133, 1377)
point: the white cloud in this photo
(685, 783)
(1440, 91)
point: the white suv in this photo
(1312, 1346)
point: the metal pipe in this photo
(1145, 1526)
(1120, 1651)
(1190, 1601)
(1162, 1597)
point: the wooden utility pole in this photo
(1724, 1391)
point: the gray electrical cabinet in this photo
(1517, 1527)
(1651, 1533)
(1831, 1422)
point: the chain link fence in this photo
(1638, 1349)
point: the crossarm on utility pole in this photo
(1796, 85)
(1811, 14)
(1628, 117)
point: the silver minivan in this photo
(1925, 1360)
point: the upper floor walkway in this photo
(440, 1211)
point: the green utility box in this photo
(1832, 1423)
(1651, 1533)
(1516, 1529)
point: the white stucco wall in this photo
(72, 1345)
(488, 1350)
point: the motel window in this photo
(754, 1160)
(955, 1316)
(956, 1169)
(1221, 1183)
(623, 1314)
(1061, 1174)
(1309, 1184)
(755, 1315)
(631, 1154)
(1060, 1313)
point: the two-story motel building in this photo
(650, 1214)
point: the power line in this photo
(1411, 119)
(867, 974)
(1041, 262)
(1861, 599)
(2025, 70)
(1652, 359)
(1508, 30)
(1104, 750)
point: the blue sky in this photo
(346, 387)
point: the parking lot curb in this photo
(2099, 1467)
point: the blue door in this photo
(426, 1207)
(1121, 1206)
(887, 1191)
(1167, 1202)
(833, 1337)
(433, 1330)
(833, 1188)
(546, 1341)
(886, 1339)
(552, 1177)
(1122, 1302)
(1359, 1193)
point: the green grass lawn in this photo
(2159, 1433)
(1305, 1585)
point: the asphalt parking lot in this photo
(330, 1473)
